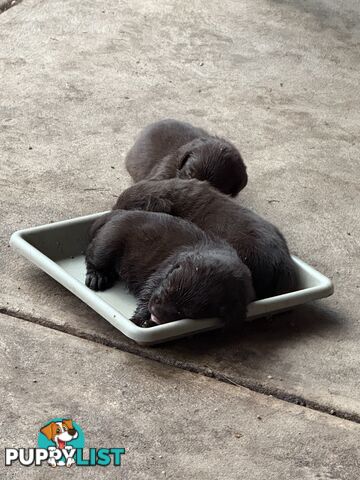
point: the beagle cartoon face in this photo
(60, 432)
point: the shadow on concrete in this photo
(257, 341)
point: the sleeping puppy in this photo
(259, 244)
(173, 268)
(169, 148)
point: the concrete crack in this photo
(151, 354)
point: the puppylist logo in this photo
(61, 443)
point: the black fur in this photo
(173, 268)
(169, 148)
(259, 244)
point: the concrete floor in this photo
(280, 79)
(172, 423)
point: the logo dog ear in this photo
(48, 430)
(68, 423)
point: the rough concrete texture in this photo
(280, 79)
(173, 424)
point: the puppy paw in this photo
(142, 319)
(148, 323)
(98, 280)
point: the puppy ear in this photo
(183, 155)
(185, 151)
(48, 430)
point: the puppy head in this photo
(214, 160)
(203, 285)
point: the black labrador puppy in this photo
(170, 148)
(173, 268)
(259, 244)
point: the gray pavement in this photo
(80, 79)
(172, 423)
(280, 79)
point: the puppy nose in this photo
(72, 431)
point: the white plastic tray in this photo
(58, 249)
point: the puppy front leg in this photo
(141, 316)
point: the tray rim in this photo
(168, 331)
